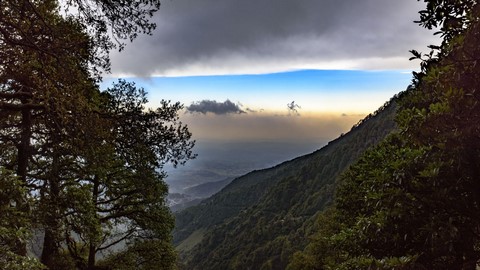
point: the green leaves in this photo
(142, 255)
(87, 165)
(15, 223)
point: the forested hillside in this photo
(413, 201)
(261, 218)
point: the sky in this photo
(275, 69)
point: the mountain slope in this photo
(260, 219)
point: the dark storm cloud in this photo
(212, 106)
(211, 36)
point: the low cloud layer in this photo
(212, 106)
(266, 127)
(224, 37)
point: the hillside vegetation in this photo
(262, 217)
(412, 201)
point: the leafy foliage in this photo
(143, 255)
(83, 167)
(120, 195)
(413, 202)
(15, 223)
(117, 20)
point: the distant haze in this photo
(266, 127)
(218, 160)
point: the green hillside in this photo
(261, 218)
(413, 201)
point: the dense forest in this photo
(81, 180)
(81, 170)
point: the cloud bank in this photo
(212, 106)
(266, 127)
(211, 37)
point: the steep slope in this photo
(240, 194)
(261, 218)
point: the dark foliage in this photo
(413, 201)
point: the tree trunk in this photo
(91, 256)
(51, 241)
(50, 248)
(23, 153)
(24, 146)
(93, 248)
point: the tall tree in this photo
(69, 143)
(37, 45)
(43, 71)
(119, 197)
